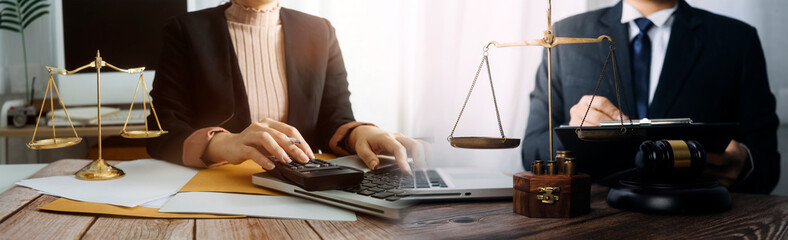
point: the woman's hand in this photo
(258, 142)
(369, 141)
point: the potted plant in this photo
(15, 16)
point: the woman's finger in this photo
(392, 146)
(264, 141)
(304, 146)
(290, 131)
(248, 152)
(414, 149)
(366, 154)
(290, 147)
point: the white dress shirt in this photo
(659, 35)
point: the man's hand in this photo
(601, 110)
(257, 142)
(727, 166)
(369, 141)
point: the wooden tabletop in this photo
(752, 216)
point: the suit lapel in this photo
(620, 34)
(227, 80)
(683, 50)
(294, 90)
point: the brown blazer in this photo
(198, 82)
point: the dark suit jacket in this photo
(714, 71)
(199, 83)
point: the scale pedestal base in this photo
(701, 195)
(99, 170)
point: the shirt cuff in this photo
(341, 134)
(194, 146)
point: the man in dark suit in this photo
(674, 61)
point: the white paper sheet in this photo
(145, 180)
(157, 203)
(254, 205)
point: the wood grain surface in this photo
(752, 217)
(367, 227)
(29, 223)
(254, 228)
(107, 227)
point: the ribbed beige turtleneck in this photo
(259, 44)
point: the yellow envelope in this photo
(68, 205)
(233, 179)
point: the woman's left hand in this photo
(369, 141)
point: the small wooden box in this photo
(552, 196)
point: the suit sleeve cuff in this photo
(336, 143)
(194, 146)
(747, 169)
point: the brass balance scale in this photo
(98, 169)
(549, 41)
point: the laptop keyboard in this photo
(391, 185)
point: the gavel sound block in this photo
(552, 195)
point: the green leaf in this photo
(9, 28)
(33, 18)
(11, 10)
(33, 4)
(11, 15)
(10, 21)
(23, 3)
(9, 3)
(7, 16)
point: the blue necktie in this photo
(641, 66)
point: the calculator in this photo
(317, 174)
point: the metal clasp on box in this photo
(548, 197)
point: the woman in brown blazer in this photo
(250, 79)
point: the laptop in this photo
(386, 191)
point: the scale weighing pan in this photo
(142, 134)
(53, 143)
(484, 142)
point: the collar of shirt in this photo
(661, 18)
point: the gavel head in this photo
(670, 159)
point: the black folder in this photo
(610, 149)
